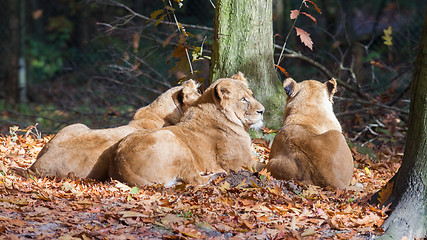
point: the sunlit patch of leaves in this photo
(244, 204)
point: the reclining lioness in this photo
(309, 147)
(76, 148)
(212, 137)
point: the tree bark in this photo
(409, 195)
(10, 52)
(243, 41)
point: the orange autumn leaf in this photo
(311, 17)
(282, 70)
(385, 192)
(270, 207)
(315, 6)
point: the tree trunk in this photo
(409, 195)
(243, 41)
(22, 69)
(10, 52)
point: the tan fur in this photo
(76, 148)
(211, 137)
(309, 147)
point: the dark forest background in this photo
(96, 62)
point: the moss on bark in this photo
(243, 42)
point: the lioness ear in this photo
(241, 77)
(190, 84)
(222, 91)
(331, 85)
(289, 85)
(188, 93)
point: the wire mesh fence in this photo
(96, 62)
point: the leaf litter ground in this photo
(238, 205)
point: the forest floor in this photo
(242, 205)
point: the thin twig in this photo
(287, 37)
(182, 30)
(213, 5)
(372, 104)
(165, 82)
(323, 69)
(396, 99)
(352, 113)
(142, 86)
(114, 3)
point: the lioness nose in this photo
(260, 111)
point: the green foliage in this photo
(51, 118)
(255, 133)
(46, 56)
(134, 190)
(269, 137)
(45, 59)
(186, 214)
(371, 56)
(274, 104)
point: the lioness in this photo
(212, 137)
(309, 147)
(76, 148)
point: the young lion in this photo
(76, 148)
(212, 137)
(309, 146)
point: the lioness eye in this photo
(244, 100)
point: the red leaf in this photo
(311, 17)
(294, 14)
(282, 70)
(305, 38)
(315, 6)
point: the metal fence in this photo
(91, 62)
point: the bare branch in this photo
(323, 69)
(287, 37)
(127, 84)
(351, 113)
(117, 4)
(372, 104)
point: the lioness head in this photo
(235, 99)
(310, 89)
(308, 102)
(172, 103)
(187, 95)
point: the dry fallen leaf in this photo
(276, 209)
(308, 232)
(127, 214)
(172, 218)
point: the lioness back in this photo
(310, 146)
(211, 137)
(172, 161)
